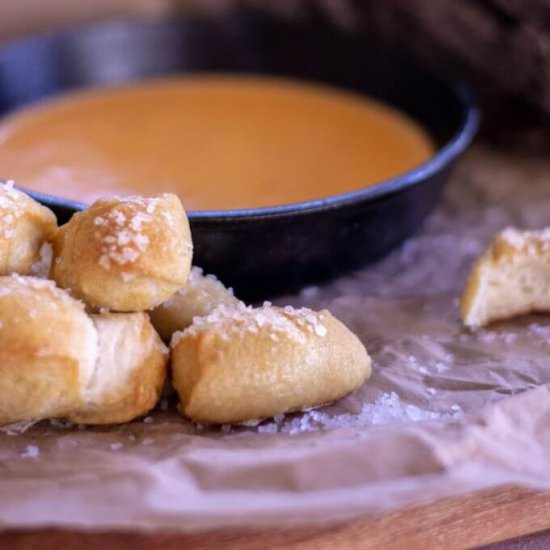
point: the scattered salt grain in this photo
(226, 428)
(386, 410)
(116, 446)
(489, 337)
(147, 441)
(520, 239)
(441, 367)
(320, 330)
(431, 391)
(148, 420)
(268, 428)
(31, 451)
(8, 185)
(542, 331)
(513, 237)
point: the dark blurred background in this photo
(503, 46)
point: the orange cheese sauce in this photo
(217, 141)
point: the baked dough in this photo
(56, 361)
(125, 254)
(130, 371)
(242, 363)
(200, 296)
(48, 350)
(24, 226)
(511, 278)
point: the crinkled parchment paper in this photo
(446, 411)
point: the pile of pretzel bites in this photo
(94, 312)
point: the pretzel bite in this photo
(511, 278)
(200, 296)
(48, 350)
(129, 374)
(125, 254)
(241, 363)
(25, 226)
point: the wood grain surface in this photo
(454, 523)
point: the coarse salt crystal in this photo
(441, 367)
(386, 410)
(31, 451)
(239, 319)
(320, 330)
(529, 240)
(268, 428)
(120, 232)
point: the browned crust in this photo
(149, 276)
(34, 225)
(234, 377)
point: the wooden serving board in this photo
(478, 519)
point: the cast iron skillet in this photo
(265, 251)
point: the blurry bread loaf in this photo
(25, 226)
(130, 370)
(56, 361)
(511, 278)
(200, 296)
(241, 363)
(125, 254)
(48, 350)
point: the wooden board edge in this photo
(481, 518)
